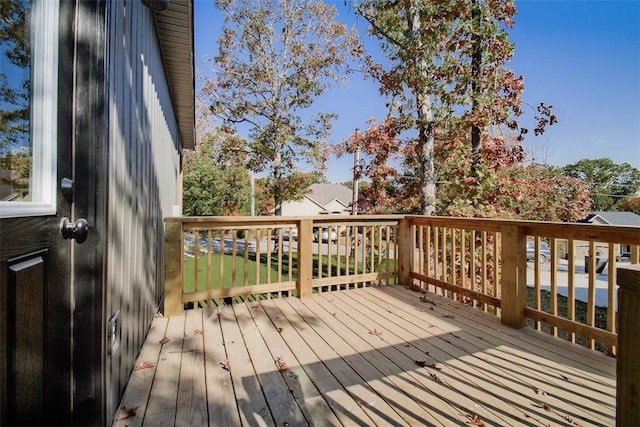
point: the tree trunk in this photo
(426, 137)
(277, 196)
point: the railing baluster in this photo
(537, 291)
(247, 237)
(591, 295)
(472, 264)
(611, 295)
(234, 266)
(258, 255)
(484, 267)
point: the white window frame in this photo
(44, 115)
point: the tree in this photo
(506, 187)
(445, 58)
(609, 182)
(629, 204)
(15, 94)
(274, 59)
(379, 143)
(213, 185)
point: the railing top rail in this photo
(577, 231)
(230, 221)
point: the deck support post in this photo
(173, 262)
(305, 259)
(404, 251)
(514, 276)
(627, 366)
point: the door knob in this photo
(77, 230)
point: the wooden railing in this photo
(485, 263)
(217, 260)
(489, 264)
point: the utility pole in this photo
(356, 174)
(253, 193)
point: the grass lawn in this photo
(251, 272)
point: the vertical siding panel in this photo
(117, 208)
(143, 172)
(138, 105)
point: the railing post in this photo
(305, 258)
(173, 276)
(627, 366)
(405, 248)
(514, 276)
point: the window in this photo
(28, 102)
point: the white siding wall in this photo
(143, 169)
(300, 208)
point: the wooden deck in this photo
(369, 356)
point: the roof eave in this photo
(174, 27)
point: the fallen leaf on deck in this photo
(542, 392)
(281, 364)
(426, 364)
(475, 420)
(430, 325)
(144, 365)
(375, 332)
(427, 300)
(198, 332)
(449, 316)
(164, 340)
(564, 377)
(127, 412)
(436, 378)
(226, 366)
(544, 406)
(279, 329)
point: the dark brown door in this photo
(50, 286)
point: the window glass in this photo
(28, 88)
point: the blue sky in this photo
(582, 57)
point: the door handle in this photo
(78, 230)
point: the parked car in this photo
(325, 234)
(545, 252)
(290, 233)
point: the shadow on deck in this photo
(369, 356)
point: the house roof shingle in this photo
(325, 193)
(616, 218)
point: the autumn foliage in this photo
(454, 118)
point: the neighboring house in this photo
(581, 248)
(321, 199)
(615, 218)
(111, 106)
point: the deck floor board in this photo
(350, 358)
